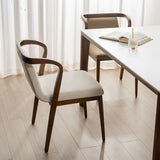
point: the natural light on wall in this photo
(58, 24)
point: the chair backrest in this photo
(109, 22)
(103, 20)
(29, 70)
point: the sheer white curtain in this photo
(54, 22)
(57, 23)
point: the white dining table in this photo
(143, 64)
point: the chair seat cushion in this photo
(75, 84)
(96, 53)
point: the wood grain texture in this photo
(129, 123)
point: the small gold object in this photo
(133, 47)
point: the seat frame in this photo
(98, 60)
(54, 102)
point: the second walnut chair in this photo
(104, 20)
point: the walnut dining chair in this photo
(58, 89)
(104, 20)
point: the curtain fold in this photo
(57, 23)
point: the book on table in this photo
(139, 37)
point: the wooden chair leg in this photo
(121, 73)
(50, 126)
(36, 100)
(101, 114)
(98, 70)
(81, 104)
(136, 87)
(85, 109)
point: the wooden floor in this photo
(129, 123)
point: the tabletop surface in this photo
(144, 63)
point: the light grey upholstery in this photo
(59, 88)
(26, 67)
(35, 84)
(30, 73)
(75, 84)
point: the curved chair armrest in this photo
(100, 15)
(27, 42)
(59, 75)
(42, 61)
(85, 21)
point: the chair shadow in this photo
(102, 152)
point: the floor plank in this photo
(138, 150)
(129, 123)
